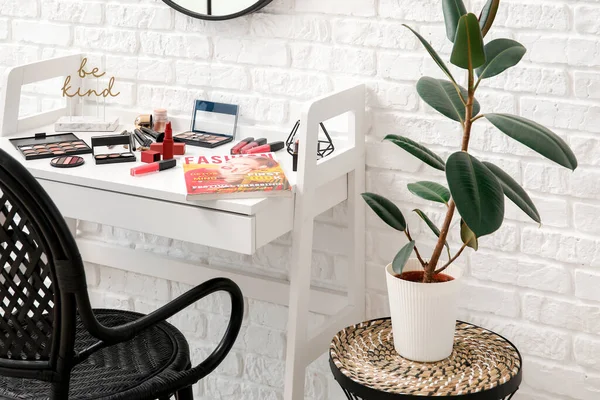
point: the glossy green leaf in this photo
(429, 222)
(488, 15)
(477, 193)
(467, 236)
(453, 10)
(432, 226)
(500, 54)
(417, 150)
(386, 210)
(438, 60)
(402, 257)
(430, 191)
(442, 96)
(536, 137)
(515, 192)
(468, 49)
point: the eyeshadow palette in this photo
(48, 146)
(117, 149)
(114, 158)
(213, 124)
(67, 161)
(200, 139)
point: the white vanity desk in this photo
(156, 204)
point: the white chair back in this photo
(16, 77)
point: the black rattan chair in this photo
(53, 345)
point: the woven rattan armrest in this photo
(113, 335)
(191, 376)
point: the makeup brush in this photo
(295, 156)
(150, 132)
(143, 139)
(136, 138)
(157, 136)
(132, 140)
(122, 133)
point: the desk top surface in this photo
(168, 185)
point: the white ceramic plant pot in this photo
(423, 314)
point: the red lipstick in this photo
(265, 148)
(168, 143)
(253, 144)
(236, 149)
(153, 167)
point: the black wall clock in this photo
(217, 9)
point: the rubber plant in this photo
(475, 188)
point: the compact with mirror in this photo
(213, 124)
(112, 149)
(216, 9)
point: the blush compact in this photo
(48, 146)
(112, 149)
(67, 162)
(213, 124)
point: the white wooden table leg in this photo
(356, 256)
(296, 359)
(356, 212)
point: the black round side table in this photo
(483, 366)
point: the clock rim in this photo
(255, 7)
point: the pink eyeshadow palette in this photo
(67, 162)
(47, 146)
(202, 139)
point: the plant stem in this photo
(423, 263)
(477, 84)
(435, 257)
(462, 99)
(477, 117)
(452, 259)
(430, 270)
(468, 112)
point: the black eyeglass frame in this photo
(255, 7)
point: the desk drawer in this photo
(223, 230)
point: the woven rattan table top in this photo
(483, 363)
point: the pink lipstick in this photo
(153, 167)
(253, 144)
(266, 148)
(238, 147)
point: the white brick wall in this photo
(536, 285)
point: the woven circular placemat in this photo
(481, 360)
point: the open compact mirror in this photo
(217, 9)
(213, 124)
